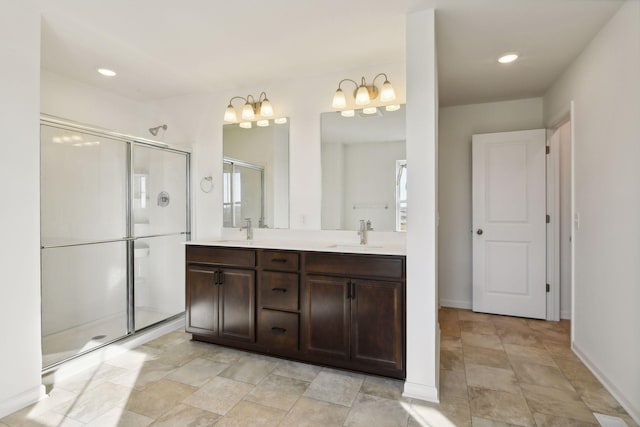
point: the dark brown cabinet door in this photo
(237, 304)
(377, 313)
(326, 327)
(201, 301)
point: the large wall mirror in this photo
(364, 170)
(256, 175)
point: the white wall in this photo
(605, 86)
(422, 234)
(565, 221)
(20, 358)
(456, 126)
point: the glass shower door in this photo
(84, 241)
(243, 193)
(160, 227)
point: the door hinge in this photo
(548, 288)
(548, 219)
(547, 149)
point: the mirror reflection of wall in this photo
(256, 175)
(364, 172)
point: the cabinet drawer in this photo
(223, 256)
(279, 290)
(355, 265)
(279, 260)
(278, 330)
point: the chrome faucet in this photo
(362, 232)
(249, 228)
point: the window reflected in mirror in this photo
(364, 170)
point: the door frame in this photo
(553, 207)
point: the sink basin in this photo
(349, 247)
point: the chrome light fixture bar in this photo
(251, 110)
(365, 93)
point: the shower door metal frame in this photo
(234, 162)
(129, 239)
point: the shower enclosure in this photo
(114, 216)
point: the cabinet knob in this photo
(479, 231)
(283, 290)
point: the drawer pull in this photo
(283, 290)
(277, 330)
(282, 260)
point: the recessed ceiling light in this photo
(107, 72)
(508, 58)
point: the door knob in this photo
(479, 231)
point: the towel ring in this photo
(206, 184)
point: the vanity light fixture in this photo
(364, 92)
(392, 107)
(280, 120)
(262, 123)
(107, 72)
(369, 110)
(251, 110)
(348, 113)
(508, 58)
(245, 125)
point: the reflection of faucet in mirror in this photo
(362, 232)
(249, 228)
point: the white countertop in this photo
(303, 245)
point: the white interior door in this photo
(509, 223)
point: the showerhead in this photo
(154, 131)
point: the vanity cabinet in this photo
(334, 309)
(220, 294)
(354, 312)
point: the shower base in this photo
(70, 342)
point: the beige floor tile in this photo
(452, 384)
(149, 372)
(95, 402)
(575, 370)
(546, 420)
(185, 415)
(382, 387)
(223, 354)
(471, 315)
(500, 406)
(197, 372)
(46, 419)
(219, 395)
(450, 343)
(450, 329)
(249, 414)
(492, 378)
(375, 411)
(452, 412)
(560, 350)
(452, 360)
(477, 327)
(296, 370)
(157, 397)
(333, 387)
(484, 422)
(119, 417)
(55, 398)
(447, 313)
(526, 339)
(183, 353)
(597, 398)
(170, 340)
(277, 392)
(484, 341)
(249, 369)
(90, 378)
(553, 401)
(314, 413)
(529, 354)
(134, 359)
(547, 376)
(486, 357)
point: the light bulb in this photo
(230, 115)
(387, 93)
(347, 113)
(362, 96)
(263, 123)
(392, 107)
(245, 125)
(107, 72)
(266, 110)
(339, 100)
(280, 120)
(507, 58)
(247, 112)
(369, 110)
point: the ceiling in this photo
(164, 48)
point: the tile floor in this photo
(495, 371)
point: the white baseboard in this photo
(454, 303)
(565, 314)
(631, 408)
(96, 357)
(421, 392)
(24, 399)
